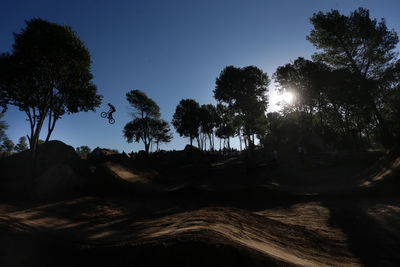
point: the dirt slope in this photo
(260, 236)
(244, 229)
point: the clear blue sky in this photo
(171, 50)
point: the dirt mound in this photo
(177, 253)
(207, 236)
(112, 177)
(56, 151)
(57, 181)
(56, 172)
(101, 154)
(383, 180)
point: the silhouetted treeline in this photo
(348, 95)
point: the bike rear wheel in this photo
(111, 121)
(103, 114)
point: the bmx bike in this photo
(104, 114)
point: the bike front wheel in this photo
(111, 121)
(103, 114)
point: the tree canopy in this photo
(7, 145)
(364, 47)
(357, 42)
(186, 119)
(47, 75)
(3, 128)
(83, 150)
(207, 116)
(146, 124)
(226, 126)
(22, 145)
(143, 105)
(244, 90)
(162, 133)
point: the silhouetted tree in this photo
(144, 107)
(149, 130)
(391, 110)
(282, 130)
(391, 103)
(244, 90)
(83, 150)
(146, 124)
(208, 115)
(162, 133)
(226, 126)
(327, 102)
(22, 145)
(7, 145)
(48, 75)
(3, 128)
(5, 74)
(186, 119)
(362, 45)
(305, 80)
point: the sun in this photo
(280, 99)
(287, 97)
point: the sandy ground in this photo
(332, 233)
(312, 230)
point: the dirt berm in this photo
(56, 172)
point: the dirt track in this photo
(311, 230)
(307, 233)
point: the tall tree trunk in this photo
(200, 142)
(368, 138)
(386, 136)
(32, 123)
(51, 125)
(251, 145)
(37, 133)
(359, 130)
(211, 146)
(213, 141)
(42, 117)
